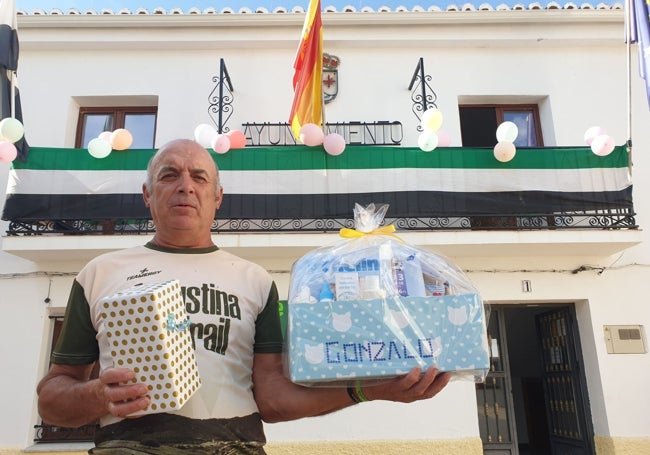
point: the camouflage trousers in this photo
(205, 448)
(168, 434)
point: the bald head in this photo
(183, 194)
(177, 145)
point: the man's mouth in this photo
(183, 206)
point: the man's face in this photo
(183, 195)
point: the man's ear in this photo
(145, 195)
(219, 197)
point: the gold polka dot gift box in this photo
(148, 332)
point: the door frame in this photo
(497, 377)
(503, 312)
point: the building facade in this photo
(559, 294)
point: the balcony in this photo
(287, 200)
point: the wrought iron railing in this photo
(602, 219)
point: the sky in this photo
(133, 5)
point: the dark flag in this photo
(8, 69)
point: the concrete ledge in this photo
(471, 446)
(454, 244)
(608, 445)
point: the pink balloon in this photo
(106, 136)
(504, 151)
(592, 132)
(602, 145)
(443, 139)
(121, 139)
(237, 139)
(334, 144)
(220, 143)
(311, 134)
(8, 152)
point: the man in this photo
(241, 387)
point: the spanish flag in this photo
(307, 80)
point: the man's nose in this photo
(186, 184)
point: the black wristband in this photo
(353, 395)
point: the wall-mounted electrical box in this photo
(625, 339)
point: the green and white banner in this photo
(305, 182)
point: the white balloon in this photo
(507, 132)
(99, 148)
(428, 140)
(204, 134)
(11, 129)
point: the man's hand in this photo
(119, 394)
(280, 400)
(409, 388)
(67, 397)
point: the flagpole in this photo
(320, 81)
(628, 31)
(322, 100)
(13, 95)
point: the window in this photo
(478, 124)
(52, 433)
(139, 120)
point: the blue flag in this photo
(640, 33)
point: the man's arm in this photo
(67, 398)
(279, 400)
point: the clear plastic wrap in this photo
(373, 306)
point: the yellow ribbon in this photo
(353, 233)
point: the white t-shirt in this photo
(231, 302)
